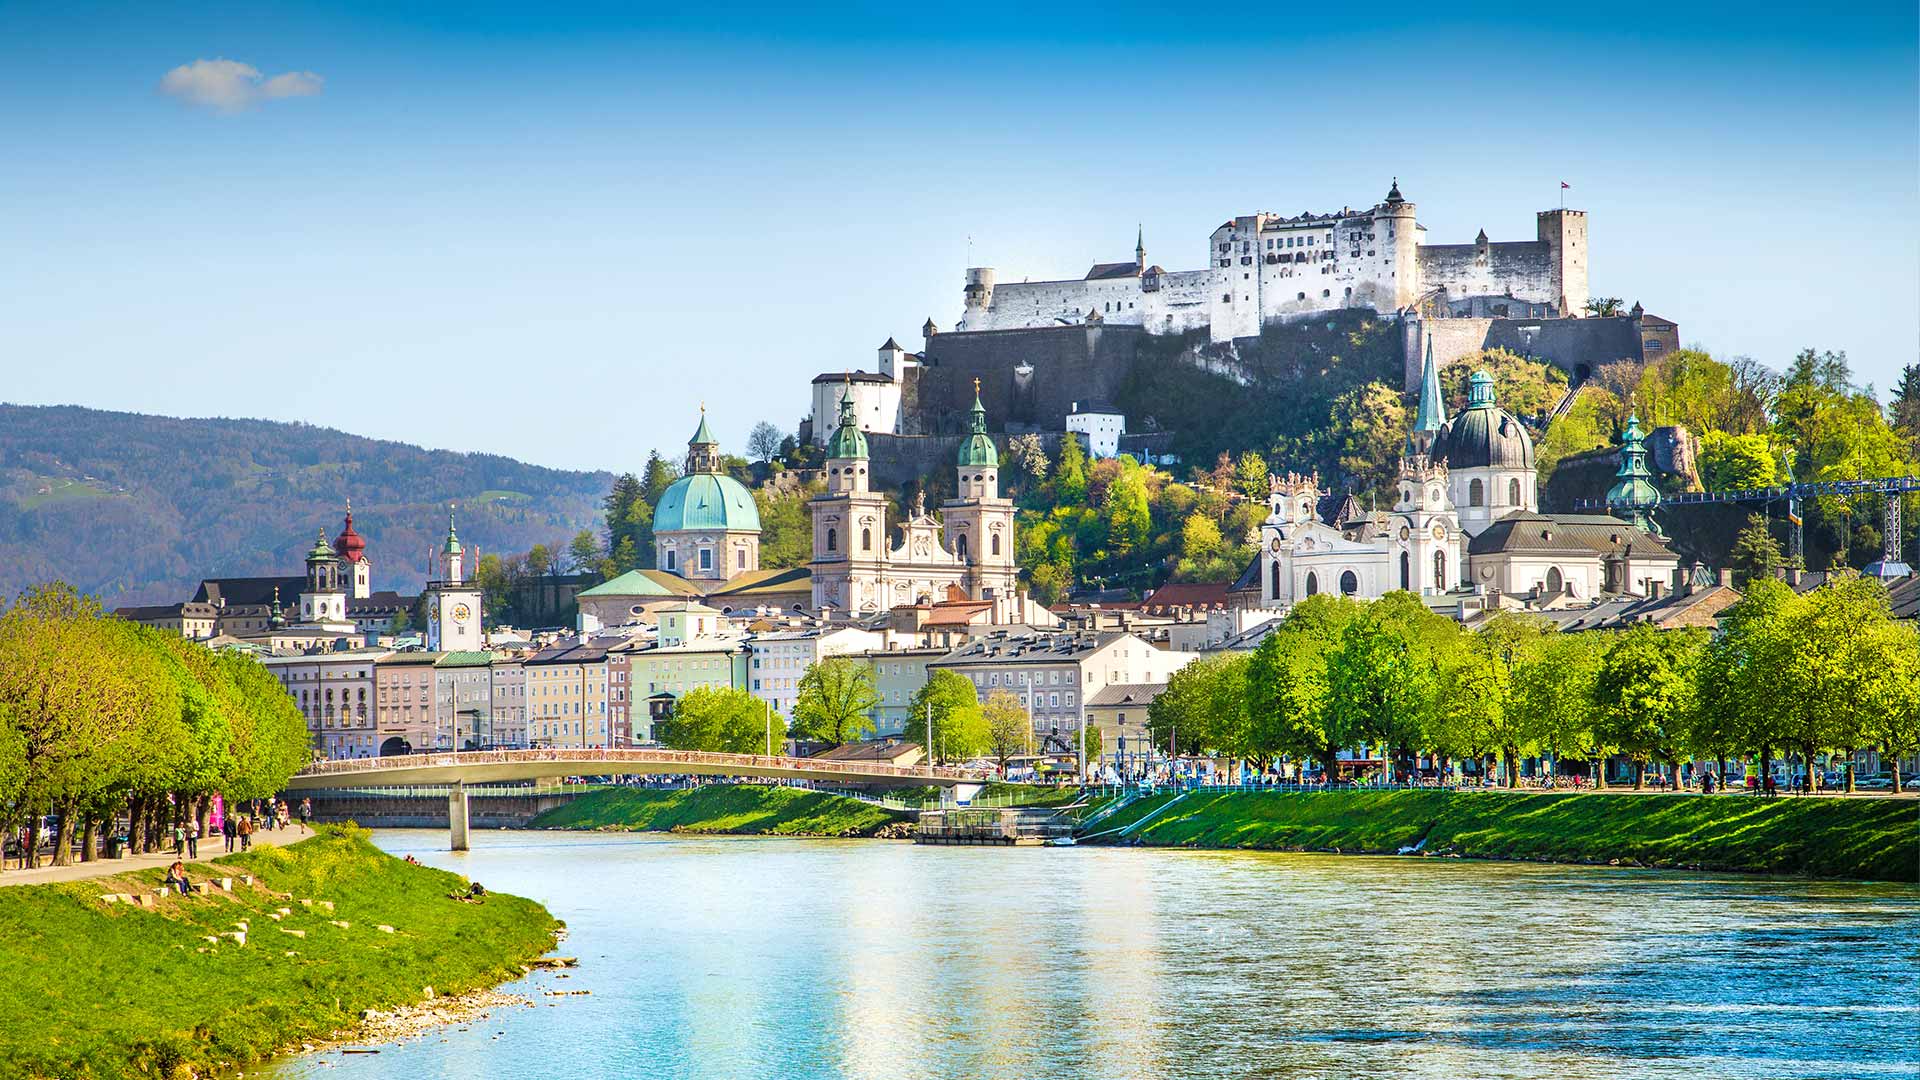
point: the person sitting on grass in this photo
(177, 878)
(476, 893)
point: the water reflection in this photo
(780, 958)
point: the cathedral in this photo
(970, 547)
(1466, 517)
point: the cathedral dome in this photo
(1484, 436)
(706, 501)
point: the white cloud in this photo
(230, 86)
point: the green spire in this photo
(848, 442)
(274, 616)
(1433, 410)
(978, 450)
(322, 551)
(702, 436)
(1633, 489)
(453, 540)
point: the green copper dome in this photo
(322, 551)
(978, 451)
(452, 546)
(707, 501)
(1484, 436)
(848, 441)
(703, 436)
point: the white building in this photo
(875, 395)
(1053, 674)
(335, 692)
(780, 659)
(1099, 428)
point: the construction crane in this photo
(1890, 487)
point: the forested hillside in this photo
(136, 509)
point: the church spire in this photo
(1140, 246)
(1633, 489)
(1432, 415)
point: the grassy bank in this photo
(721, 808)
(99, 990)
(1857, 838)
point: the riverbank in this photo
(745, 809)
(330, 927)
(1875, 839)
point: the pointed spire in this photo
(452, 546)
(1432, 415)
(978, 449)
(703, 436)
(977, 421)
(1393, 193)
(1140, 246)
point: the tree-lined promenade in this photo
(1830, 670)
(102, 719)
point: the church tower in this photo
(849, 524)
(453, 605)
(352, 550)
(1432, 547)
(979, 524)
(324, 601)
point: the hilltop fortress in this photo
(1269, 267)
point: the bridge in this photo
(459, 769)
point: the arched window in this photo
(1276, 579)
(996, 543)
(1406, 571)
(1440, 570)
(1555, 579)
(1513, 492)
(833, 542)
(866, 539)
(1476, 493)
(1313, 584)
(960, 546)
(1349, 584)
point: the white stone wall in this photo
(1102, 431)
(876, 405)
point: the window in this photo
(960, 546)
(1513, 492)
(1276, 579)
(833, 544)
(1440, 570)
(1406, 568)
(1313, 584)
(706, 558)
(1555, 579)
(1349, 584)
(740, 559)
(995, 543)
(866, 539)
(1476, 493)
(670, 565)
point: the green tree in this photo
(1129, 518)
(1643, 693)
(1603, 307)
(1755, 553)
(1009, 732)
(618, 507)
(959, 726)
(1070, 477)
(836, 700)
(1481, 712)
(1737, 462)
(1553, 696)
(722, 719)
(1366, 428)
(1385, 676)
(1287, 687)
(1905, 408)
(584, 553)
(1199, 538)
(1250, 475)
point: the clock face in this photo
(1275, 545)
(461, 613)
(1439, 531)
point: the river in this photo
(743, 957)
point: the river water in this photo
(743, 957)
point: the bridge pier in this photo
(457, 816)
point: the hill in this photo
(137, 509)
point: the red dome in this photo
(348, 544)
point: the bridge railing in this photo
(608, 761)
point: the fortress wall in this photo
(1568, 344)
(1523, 269)
(1026, 304)
(1069, 364)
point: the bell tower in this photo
(454, 607)
(979, 524)
(849, 523)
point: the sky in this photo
(553, 231)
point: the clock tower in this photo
(453, 604)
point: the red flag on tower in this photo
(1564, 185)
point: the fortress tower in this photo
(1565, 234)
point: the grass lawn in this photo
(98, 990)
(1858, 838)
(721, 808)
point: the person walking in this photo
(229, 827)
(193, 839)
(179, 840)
(306, 815)
(246, 833)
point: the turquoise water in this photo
(742, 957)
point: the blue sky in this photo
(551, 231)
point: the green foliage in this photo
(1755, 554)
(1522, 386)
(1738, 462)
(959, 725)
(835, 701)
(1070, 475)
(758, 809)
(723, 719)
(1824, 837)
(1009, 732)
(204, 1009)
(786, 528)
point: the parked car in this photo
(1874, 783)
(1913, 784)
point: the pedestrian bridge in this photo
(487, 766)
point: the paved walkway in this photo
(159, 860)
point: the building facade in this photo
(403, 685)
(706, 526)
(1053, 674)
(337, 692)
